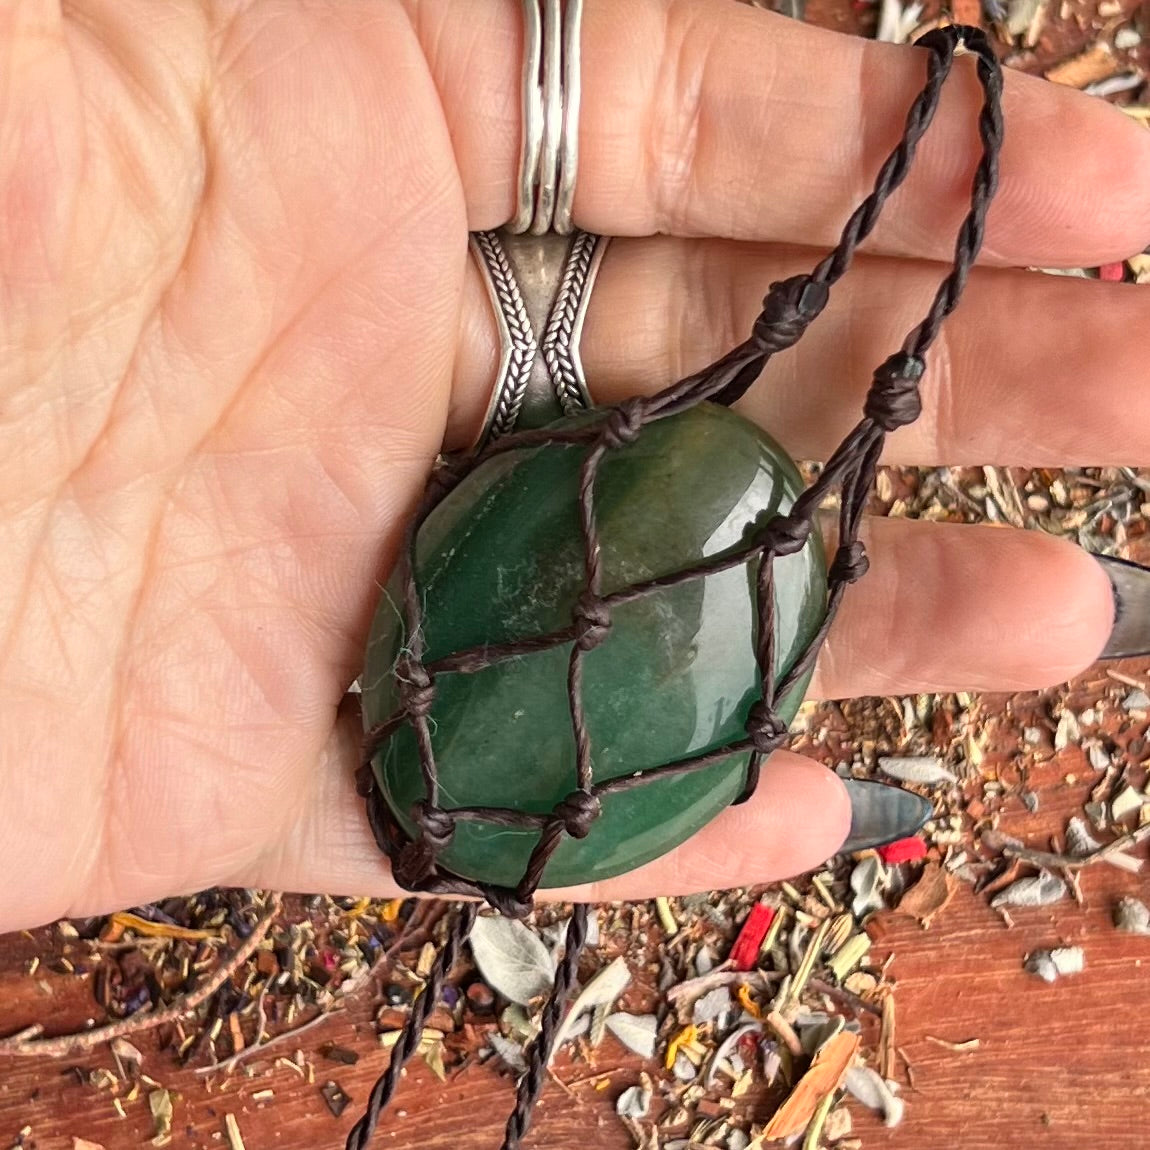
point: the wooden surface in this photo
(1061, 1067)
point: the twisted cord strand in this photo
(385, 1085)
(532, 1083)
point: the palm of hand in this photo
(222, 235)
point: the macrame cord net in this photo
(892, 401)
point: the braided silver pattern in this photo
(560, 345)
(519, 346)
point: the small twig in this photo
(1077, 862)
(955, 1047)
(692, 988)
(28, 1043)
(844, 997)
(260, 1047)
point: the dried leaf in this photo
(1050, 965)
(512, 958)
(637, 1032)
(1079, 841)
(684, 1038)
(1068, 733)
(726, 1048)
(160, 1104)
(869, 882)
(869, 1088)
(433, 1056)
(1132, 916)
(822, 1079)
(1041, 890)
(1019, 14)
(84, 1144)
(711, 1006)
(510, 1052)
(336, 1098)
(634, 1102)
(128, 1054)
(1136, 700)
(602, 990)
(1128, 801)
(929, 895)
(924, 769)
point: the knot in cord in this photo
(415, 687)
(766, 729)
(784, 535)
(893, 400)
(788, 309)
(436, 824)
(577, 812)
(850, 563)
(623, 424)
(508, 902)
(413, 864)
(592, 621)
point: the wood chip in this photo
(232, 1129)
(821, 1080)
(1096, 63)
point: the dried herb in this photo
(512, 958)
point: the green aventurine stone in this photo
(501, 559)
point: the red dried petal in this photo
(903, 850)
(1112, 273)
(745, 952)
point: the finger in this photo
(947, 607)
(943, 608)
(331, 848)
(702, 117)
(1005, 383)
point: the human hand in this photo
(239, 321)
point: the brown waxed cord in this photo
(892, 401)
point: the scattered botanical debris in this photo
(1050, 965)
(336, 1098)
(1132, 916)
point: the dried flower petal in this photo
(745, 952)
(904, 850)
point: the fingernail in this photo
(882, 814)
(1131, 586)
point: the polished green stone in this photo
(501, 559)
